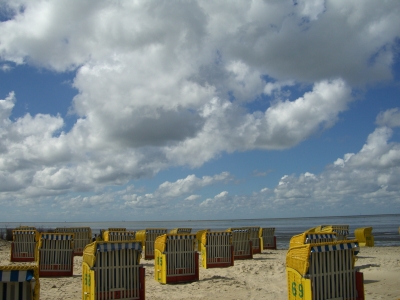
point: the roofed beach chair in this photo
(364, 236)
(268, 238)
(255, 238)
(148, 237)
(19, 282)
(115, 235)
(324, 271)
(181, 230)
(241, 242)
(117, 229)
(216, 249)
(311, 237)
(23, 227)
(111, 270)
(82, 237)
(23, 246)
(176, 259)
(55, 254)
(342, 231)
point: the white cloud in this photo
(390, 118)
(163, 85)
(170, 192)
(6, 106)
(219, 202)
(287, 123)
(192, 198)
(311, 9)
(359, 178)
(6, 67)
(189, 184)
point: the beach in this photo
(263, 277)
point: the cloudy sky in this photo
(175, 110)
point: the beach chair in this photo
(19, 282)
(181, 230)
(217, 249)
(324, 271)
(268, 238)
(111, 270)
(242, 248)
(22, 227)
(82, 237)
(199, 234)
(176, 259)
(364, 236)
(255, 238)
(148, 237)
(113, 236)
(23, 246)
(55, 253)
(310, 237)
(342, 231)
(117, 229)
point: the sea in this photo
(385, 227)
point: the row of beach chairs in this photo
(111, 265)
(319, 264)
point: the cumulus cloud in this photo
(357, 179)
(390, 118)
(169, 191)
(5, 67)
(172, 84)
(189, 184)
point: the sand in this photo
(263, 277)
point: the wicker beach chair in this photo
(55, 254)
(217, 249)
(111, 270)
(324, 271)
(148, 237)
(82, 237)
(23, 246)
(176, 259)
(19, 282)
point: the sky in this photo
(194, 110)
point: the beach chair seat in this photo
(82, 237)
(55, 254)
(176, 259)
(324, 271)
(242, 245)
(148, 237)
(19, 282)
(268, 238)
(217, 249)
(23, 246)
(111, 270)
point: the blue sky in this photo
(198, 110)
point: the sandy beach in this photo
(262, 277)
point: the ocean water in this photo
(385, 227)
